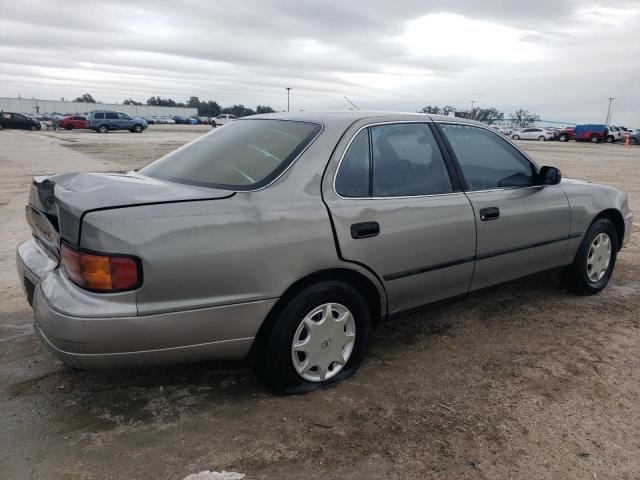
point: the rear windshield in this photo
(242, 155)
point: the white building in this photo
(32, 106)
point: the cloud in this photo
(560, 58)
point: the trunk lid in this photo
(63, 199)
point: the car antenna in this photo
(354, 105)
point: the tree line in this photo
(520, 117)
(209, 108)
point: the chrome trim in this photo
(390, 122)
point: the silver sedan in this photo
(287, 237)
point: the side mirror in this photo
(549, 176)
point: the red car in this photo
(565, 134)
(73, 121)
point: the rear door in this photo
(111, 119)
(397, 209)
(521, 227)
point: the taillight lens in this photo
(100, 273)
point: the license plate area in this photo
(43, 230)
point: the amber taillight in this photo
(101, 273)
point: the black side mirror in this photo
(549, 176)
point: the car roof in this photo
(351, 116)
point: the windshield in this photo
(243, 155)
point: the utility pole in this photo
(288, 90)
(611, 99)
(473, 102)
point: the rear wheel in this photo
(595, 139)
(541, 138)
(563, 137)
(68, 127)
(33, 128)
(103, 129)
(596, 258)
(516, 137)
(610, 139)
(318, 339)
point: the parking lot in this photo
(522, 381)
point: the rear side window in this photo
(353, 177)
(407, 161)
(244, 155)
(111, 116)
(99, 116)
(488, 161)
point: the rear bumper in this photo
(222, 332)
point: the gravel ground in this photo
(523, 381)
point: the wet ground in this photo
(522, 381)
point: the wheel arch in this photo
(373, 296)
(615, 217)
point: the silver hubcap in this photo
(598, 257)
(323, 342)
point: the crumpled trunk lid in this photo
(65, 198)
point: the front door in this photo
(397, 210)
(522, 227)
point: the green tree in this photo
(431, 110)
(264, 109)
(523, 118)
(85, 98)
(130, 101)
(238, 110)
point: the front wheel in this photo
(610, 139)
(68, 127)
(593, 264)
(318, 339)
(33, 128)
(541, 139)
(595, 139)
(516, 137)
(563, 138)
(137, 128)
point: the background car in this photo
(224, 118)
(614, 134)
(73, 121)
(633, 138)
(589, 132)
(103, 121)
(564, 134)
(533, 133)
(18, 121)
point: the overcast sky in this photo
(558, 58)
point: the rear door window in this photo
(352, 179)
(245, 155)
(99, 116)
(407, 161)
(111, 116)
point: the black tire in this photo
(516, 137)
(273, 363)
(563, 138)
(1, 126)
(137, 128)
(576, 274)
(595, 139)
(633, 141)
(68, 127)
(542, 139)
(33, 128)
(103, 129)
(610, 139)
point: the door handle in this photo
(365, 230)
(491, 213)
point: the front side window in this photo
(122, 116)
(487, 160)
(353, 177)
(17, 116)
(245, 155)
(407, 161)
